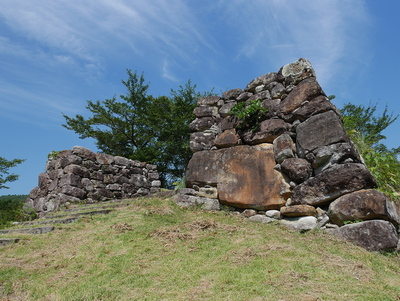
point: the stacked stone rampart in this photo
(80, 174)
(297, 163)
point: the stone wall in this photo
(80, 174)
(299, 162)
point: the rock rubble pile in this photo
(80, 174)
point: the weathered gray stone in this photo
(363, 205)
(304, 91)
(262, 95)
(261, 80)
(278, 90)
(156, 183)
(229, 122)
(268, 131)
(319, 130)
(333, 183)
(297, 169)
(326, 156)
(232, 94)
(138, 180)
(84, 153)
(275, 214)
(77, 170)
(204, 123)
(44, 180)
(297, 71)
(189, 201)
(203, 168)
(8, 241)
(301, 224)
(249, 212)
(37, 230)
(74, 191)
(225, 110)
(393, 211)
(121, 161)
(72, 159)
(71, 180)
(317, 105)
(244, 96)
(375, 235)
(104, 159)
(208, 101)
(205, 111)
(201, 141)
(273, 107)
(258, 218)
(188, 191)
(284, 148)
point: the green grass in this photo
(154, 250)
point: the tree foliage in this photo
(12, 209)
(5, 176)
(143, 127)
(365, 129)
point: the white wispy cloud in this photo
(84, 39)
(281, 31)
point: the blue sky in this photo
(55, 55)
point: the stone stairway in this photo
(67, 216)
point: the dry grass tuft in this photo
(121, 228)
(171, 234)
(203, 225)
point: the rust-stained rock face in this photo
(245, 176)
(203, 168)
(247, 179)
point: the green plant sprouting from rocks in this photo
(250, 113)
(53, 154)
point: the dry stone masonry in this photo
(299, 165)
(80, 174)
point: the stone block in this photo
(247, 179)
(265, 79)
(284, 148)
(374, 235)
(267, 132)
(228, 138)
(319, 130)
(333, 183)
(301, 224)
(363, 205)
(298, 210)
(304, 91)
(297, 169)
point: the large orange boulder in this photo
(244, 176)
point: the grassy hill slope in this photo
(154, 250)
